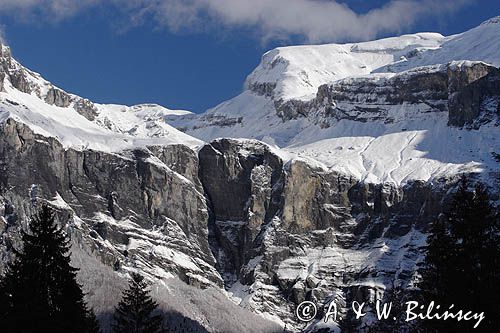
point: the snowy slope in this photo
(74, 130)
(107, 128)
(480, 43)
(407, 151)
(298, 71)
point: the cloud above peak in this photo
(311, 20)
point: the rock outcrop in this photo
(468, 91)
(474, 95)
(30, 82)
(242, 182)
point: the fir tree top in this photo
(135, 312)
(41, 283)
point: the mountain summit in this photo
(78, 122)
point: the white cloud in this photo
(313, 20)
(55, 9)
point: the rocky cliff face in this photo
(467, 91)
(143, 210)
(474, 95)
(235, 215)
(134, 202)
(242, 181)
(307, 234)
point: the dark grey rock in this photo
(57, 97)
(120, 198)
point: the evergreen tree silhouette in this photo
(135, 312)
(39, 292)
(396, 321)
(462, 265)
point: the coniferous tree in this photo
(462, 261)
(395, 299)
(135, 312)
(440, 269)
(382, 325)
(39, 292)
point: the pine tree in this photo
(39, 292)
(396, 321)
(135, 312)
(462, 260)
(440, 269)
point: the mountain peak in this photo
(77, 122)
(296, 72)
(493, 20)
(365, 108)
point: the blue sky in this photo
(195, 57)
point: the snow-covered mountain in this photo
(316, 183)
(327, 103)
(296, 72)
(77, 122)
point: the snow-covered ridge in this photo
(27, 97)
(478, 44)
(493, 20)
(296, 72)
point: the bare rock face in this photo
(57, 97)
(180, 159)
(241, 180)
(463, 74)
(468, 91)
(263, 89)
(86, 108)
(133, 210)
(313, 199)
(294, 232)
(233, 162)
(474, 95)
(14, 73)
